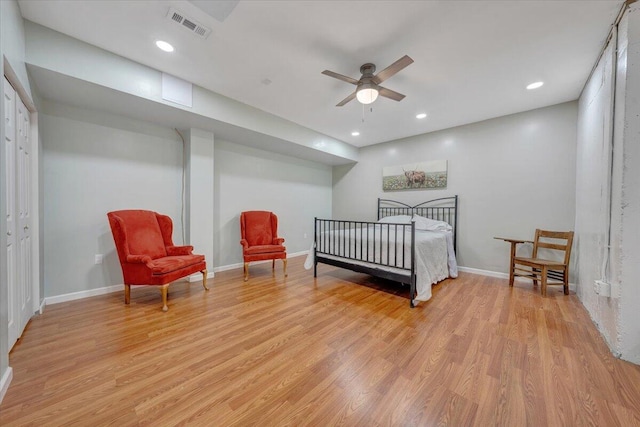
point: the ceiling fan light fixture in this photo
(367, 93)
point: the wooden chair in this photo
(542, 269)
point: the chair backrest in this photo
(139, 232)
(556, 240)
(258, 227)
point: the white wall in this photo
(250, 179)
(593, 192)
(629, 194)
(13, 40)
(513, 174)
(199, 172)
(617, 317)
(94, 163)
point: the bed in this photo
(412, 245)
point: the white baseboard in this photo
(5, 381)
(43, 304)
(197, 277)
(297, 254)
(240, 264)
(572, 286)
(232, 266)
(484, 272)
(83, 294)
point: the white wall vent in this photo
(188, 23)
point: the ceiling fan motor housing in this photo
(366, 81)
(367, 70)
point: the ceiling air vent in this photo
(188, 23)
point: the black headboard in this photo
(442, 209)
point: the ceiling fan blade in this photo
(391, 94)
(340, 77)
(347, 99)
(392, 69)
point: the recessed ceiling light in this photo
(355, 133)
(421, 116)
(164, 46)
(535, 85)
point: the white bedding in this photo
(435, 257)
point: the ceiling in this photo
(473, 59)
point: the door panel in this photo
(25, 293)
(9, 99)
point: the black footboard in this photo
(384, 250)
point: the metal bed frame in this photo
(331, 236)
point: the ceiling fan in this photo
(368, 87)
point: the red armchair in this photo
(147, 254)
(260, 241)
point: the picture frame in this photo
(419, 175)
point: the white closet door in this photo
(24, 216)
(10, 163)
(17, 145)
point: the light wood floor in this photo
(332, 351)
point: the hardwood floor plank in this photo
(451, 409)
(340, 349)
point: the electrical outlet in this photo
(98, 259)
(305, 235)
(602, 288)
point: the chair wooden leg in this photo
(284, 263)
(566, 281)
(544, 281)
(165, 291)
(273, 264)
(511, 275)
(246, 271)
(204, 279)
(513, 264)
(127, 294)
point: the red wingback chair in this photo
(147, 254)
(260, 241)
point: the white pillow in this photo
(396, 219)
(427, 224)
